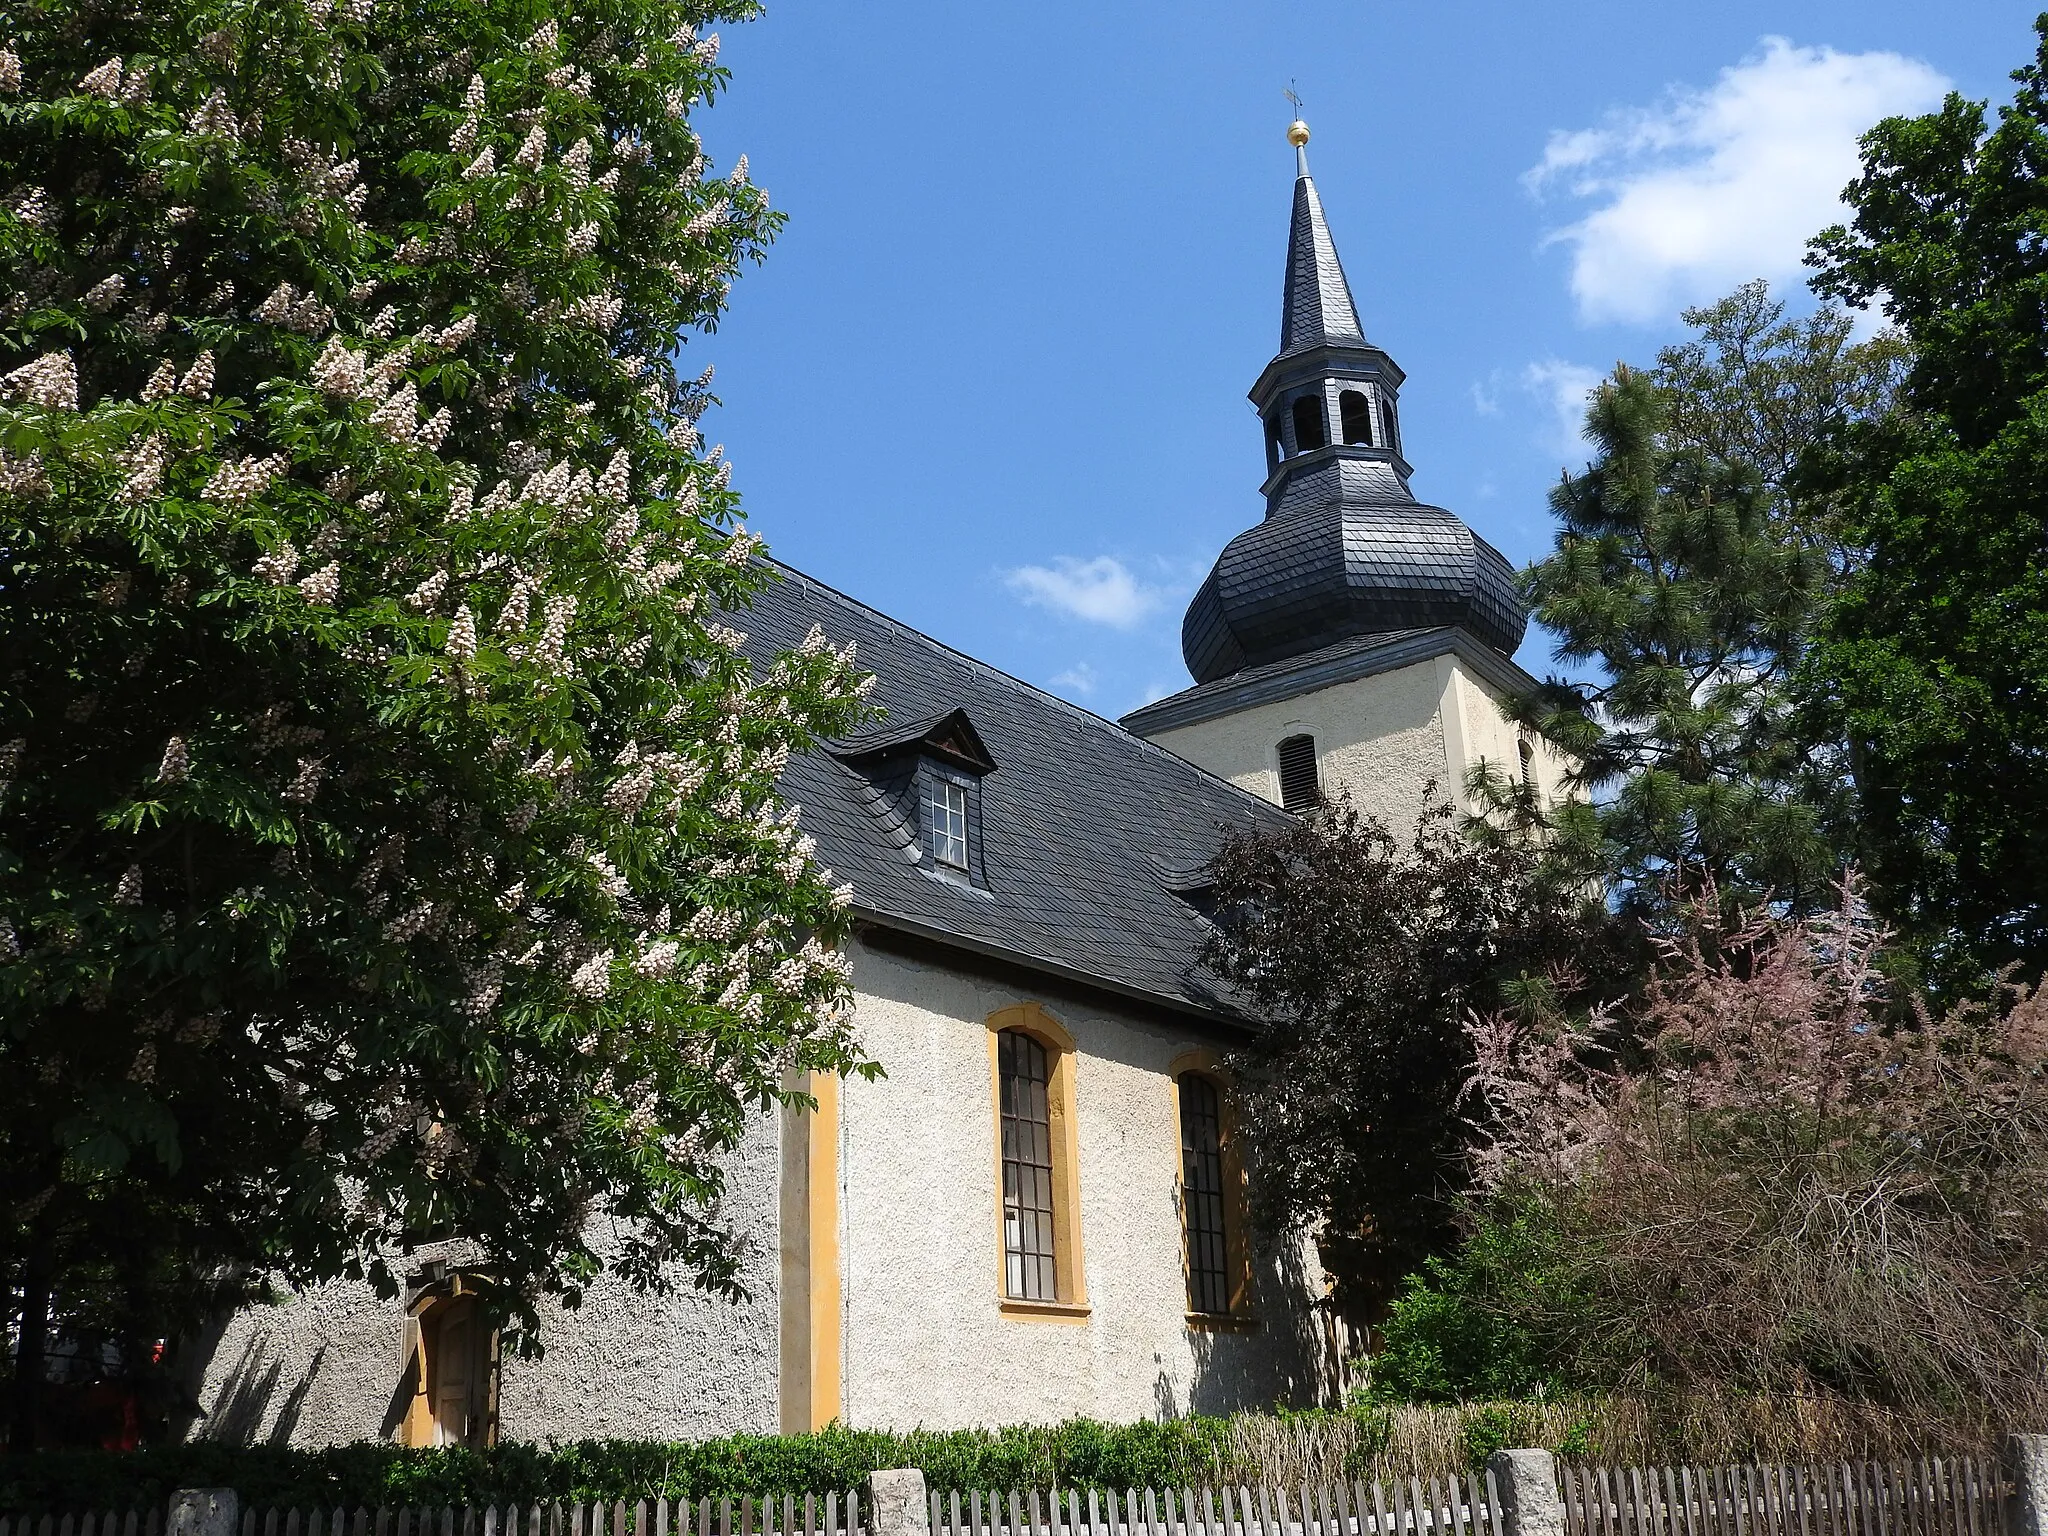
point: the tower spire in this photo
(1316, 309)
(1345, 551)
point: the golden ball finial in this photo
(1297, 133)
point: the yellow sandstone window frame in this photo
(1071, 1299)
(1206, 1063)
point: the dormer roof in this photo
(949, 736)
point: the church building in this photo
(1037, 1212)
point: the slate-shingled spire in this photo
(1346, 549)
(1317, 307)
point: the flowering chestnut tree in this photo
(389, 839)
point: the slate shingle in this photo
(1092, 838)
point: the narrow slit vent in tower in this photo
(1300, 786)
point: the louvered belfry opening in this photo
(1029, 1271)
(1309, 431)
(1300, 785)
(1201, 1185)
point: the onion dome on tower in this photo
(1345, 550)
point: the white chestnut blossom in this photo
(176, 764)
(237, 482)
(163, 383)
(145, 464)
(128, 893)
(278, 566)
(323, 586)
(593, 978)
(462, 636)
(198, 380)
(427, 593)
(216, 118)
(51, 381)
(105, 294)
(339, 370)
(534, 151)
(104, 81)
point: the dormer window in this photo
(945, 817)
(922, 781)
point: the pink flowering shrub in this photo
(1778, 1172)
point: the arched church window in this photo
(1030, 1271)
(1031, 1059)
(1389, 436)
(1202, 1194)
(1355, 416)
(1528, 754)
(1309, 428)
(1300, 784)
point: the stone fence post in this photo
(2026, 1465)
(205, 1512)
(1529, 1503)
(897, 1503)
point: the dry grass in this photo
(1424, 1441)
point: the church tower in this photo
(1356, 638)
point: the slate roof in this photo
(1092, 840)
(1348, 551)
(1316, 308)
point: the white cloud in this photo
(1563, 388)
(1079, 678)
(1713, 187)
(1099, 590)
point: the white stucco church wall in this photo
(912, 1276)
(927, 1338)
(322, 1367)
(1380, 738)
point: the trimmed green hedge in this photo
(1078, 1452)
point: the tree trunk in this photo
(32, 1343)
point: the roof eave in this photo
(1219, 1018)
(1226, 697)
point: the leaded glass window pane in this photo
(1028, 1269)
(1201, 1156)
(945, 821)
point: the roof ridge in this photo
(1151, 748)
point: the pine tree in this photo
(389, 841)
(1693, 558)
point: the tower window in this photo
(1388, 436)
(1300, 785)
(1528, 754)
(1275, 451)
(1355, 416)
(945, 819)
(1201, 1187)
(1309, 429)
(1030, 1271)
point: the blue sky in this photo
(991, 379)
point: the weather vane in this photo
(1292, 99)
